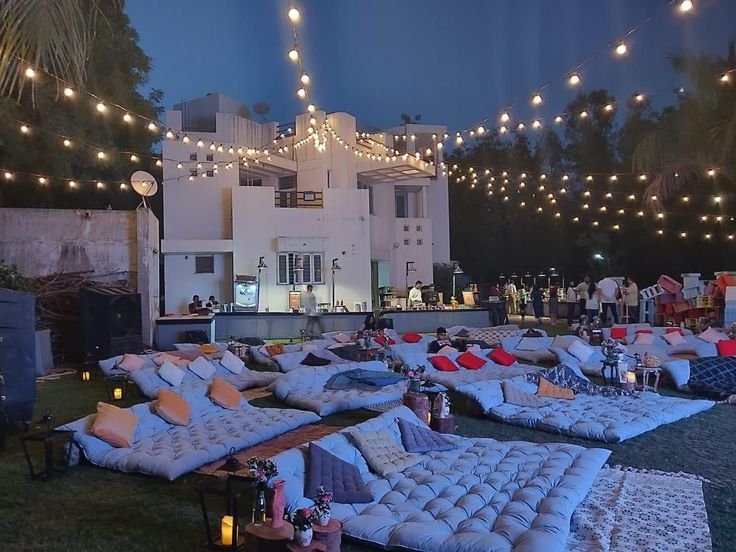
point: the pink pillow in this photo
(131, 363)
(711, 336)
(342, 338)
(443, 364)
(159, 359)
(675, 330)
(644, 339)
(674, 338)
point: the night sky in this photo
(454, 62)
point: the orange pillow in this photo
(224, 394)
(274, 349)
(207, 349)
(548, 389)
(114, 425)
(172, 408)
(470, 361)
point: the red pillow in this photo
(382, 340)
(504, 358)
(643, 331)
(726, 347)
(470, 361)
(678, 330)
(443, 364)
(411, 337)
(618, 333)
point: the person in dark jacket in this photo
(536, 297)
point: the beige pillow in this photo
(382, 453)
(172, 408)
(114, 425)
(644, 339)
(224, 394)
(160, 358)
(549, 389)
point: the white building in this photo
(319, 192)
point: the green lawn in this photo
(95, 509)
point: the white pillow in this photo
(581, 351)
(202, 368)
(529, 344)
(644, 339)
(674, 338)
(232, 363)
(342, 338)
(712, 336)
(446, 350)
(171, 374)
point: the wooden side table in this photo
(264, 538)
(419, 404)
(443, 425)
(330, 535)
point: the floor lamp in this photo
(262, 267)
(455, 272)
(334, 268)
(409, 268)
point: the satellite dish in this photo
(144, 184)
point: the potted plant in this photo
(261, 470)
(413, 375)
(302, 519)
(322, 501)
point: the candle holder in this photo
(116, 387)
(55, 458)
(222, 513)
(86, 374)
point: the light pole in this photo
(262, 267)
(409, 268)
(335, 267)
(455, 272)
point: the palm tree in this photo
(56, 35)
(695, 136)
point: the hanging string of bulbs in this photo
(296, 55)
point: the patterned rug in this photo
(639, 511)
(274, 446)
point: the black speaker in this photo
(110, 321)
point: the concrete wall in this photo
(182, 281)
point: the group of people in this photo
(197, 304)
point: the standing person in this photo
(537, 306)
(582, 291)
(609, 295)
(310, 308)
(631, 300)
(415, 295)
(572, 303)
(592, 302)
(554, 290)
(523, 296)
(512, 297)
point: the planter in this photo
(324, 518)
(277, 506)
(303, 537)
(415, 385)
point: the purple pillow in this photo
(422, 439)
(335, 475)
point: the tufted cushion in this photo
(114, 425)
(618, 332)
(470, 361)
(644, 338)
(336, 475)
(382, 453)
(710, 336)
(224, 394)
(674, 338)
(443, 364)
(231, 363)
(411, 337)
(314, 360)
(421, 439)
(172, 408)
(726, 347)
(202, 368)
(171, 374)
(502, 357)
(274, 349)
(381, 340)
(580, 350)
(515, 395)
(547, 389)
(131, 363)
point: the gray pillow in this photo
(336, 475)
(422, 439)
(513, 394)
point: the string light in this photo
(8, 176)
(101, 107)
(685, 6)
(294, 54)
(608, 107)
(127, 118)
(30, 73)
(67, 143)
(583, 114)
(725, 77)
(574, 79)
(294, 15)
(621, 49)
(304, 79)
(72, 184)
(558, 119)
(68, 92)
(42, 180)
(505, 117)
(25, 129)
(537, 99)
(301, 93)
(639, 97)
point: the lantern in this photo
(116, 387)
(221, 501)
(85, 373)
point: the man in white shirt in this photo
(415, 295)
(512, 298)
(310, 308)
(609, 290)
(631, 299)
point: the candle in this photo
(86, 375)
(117, 393)
(229, 530)
(630, 377)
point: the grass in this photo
(94, 509)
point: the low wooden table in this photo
(419, 404)
(443, 425)
(330, 535)
(264, 538)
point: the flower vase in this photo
(303, 536)
(324, 518)
(259, 505)
(415, 385)
(277, 506)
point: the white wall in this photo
(181, 281)
(438, 209)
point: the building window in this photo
(204, 264)
(210, 174)
(193, 172)
(192, 156)
(420, 241)
(401, 207)
(256, 182)
(406, 228)
(407, 242)
(287, 183)
(210, 157)
(419, 227)
(408, 202)
(313, 272)
(364, 186)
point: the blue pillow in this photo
(335, 475)
(422, 439)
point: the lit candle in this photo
(86, 375)
(630, 377)
(229, 530)
(117, 393)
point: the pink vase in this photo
(277, 506)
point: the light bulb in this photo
(537, 99)
(152, 127)
(643, 177)
(683, 234)
(294, 15)
(8, 176)
(294, 54)
(179, 165)
(616, 227)
(537, 124)
(725, 77)
(25, 129)
(583, 114)
(185, 139)
(639, 97)
(100, 155)
(134, 158)
(159, 163)
(717, 199)
(685, 6)
(685, 199)
(481, 130)
(565, 178)
(200, 143)
(68, 92)
(101, 107)
(311, 108)
(711, 172)
(621, 49)
(212, 146)
(42, 180)
(660, 232)
(30, 73)
(574, 79)
(100, 185)
(301, 93)
(520, 126)
(127, 118)
(123, 186)
(614, 178)
(589, 178)
(503, 130)
(169, 135)
(558, 119)
(608, 107)
(505, 118)
(304, 79)
(312, 121)
(632, 197)
(67, 143)
(459, 140)
(72, 184)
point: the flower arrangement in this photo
(652, 361)
(302, 519)
(262, 469)
(322, 501)
(612, 349)
(732, 331)
(411, 373)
